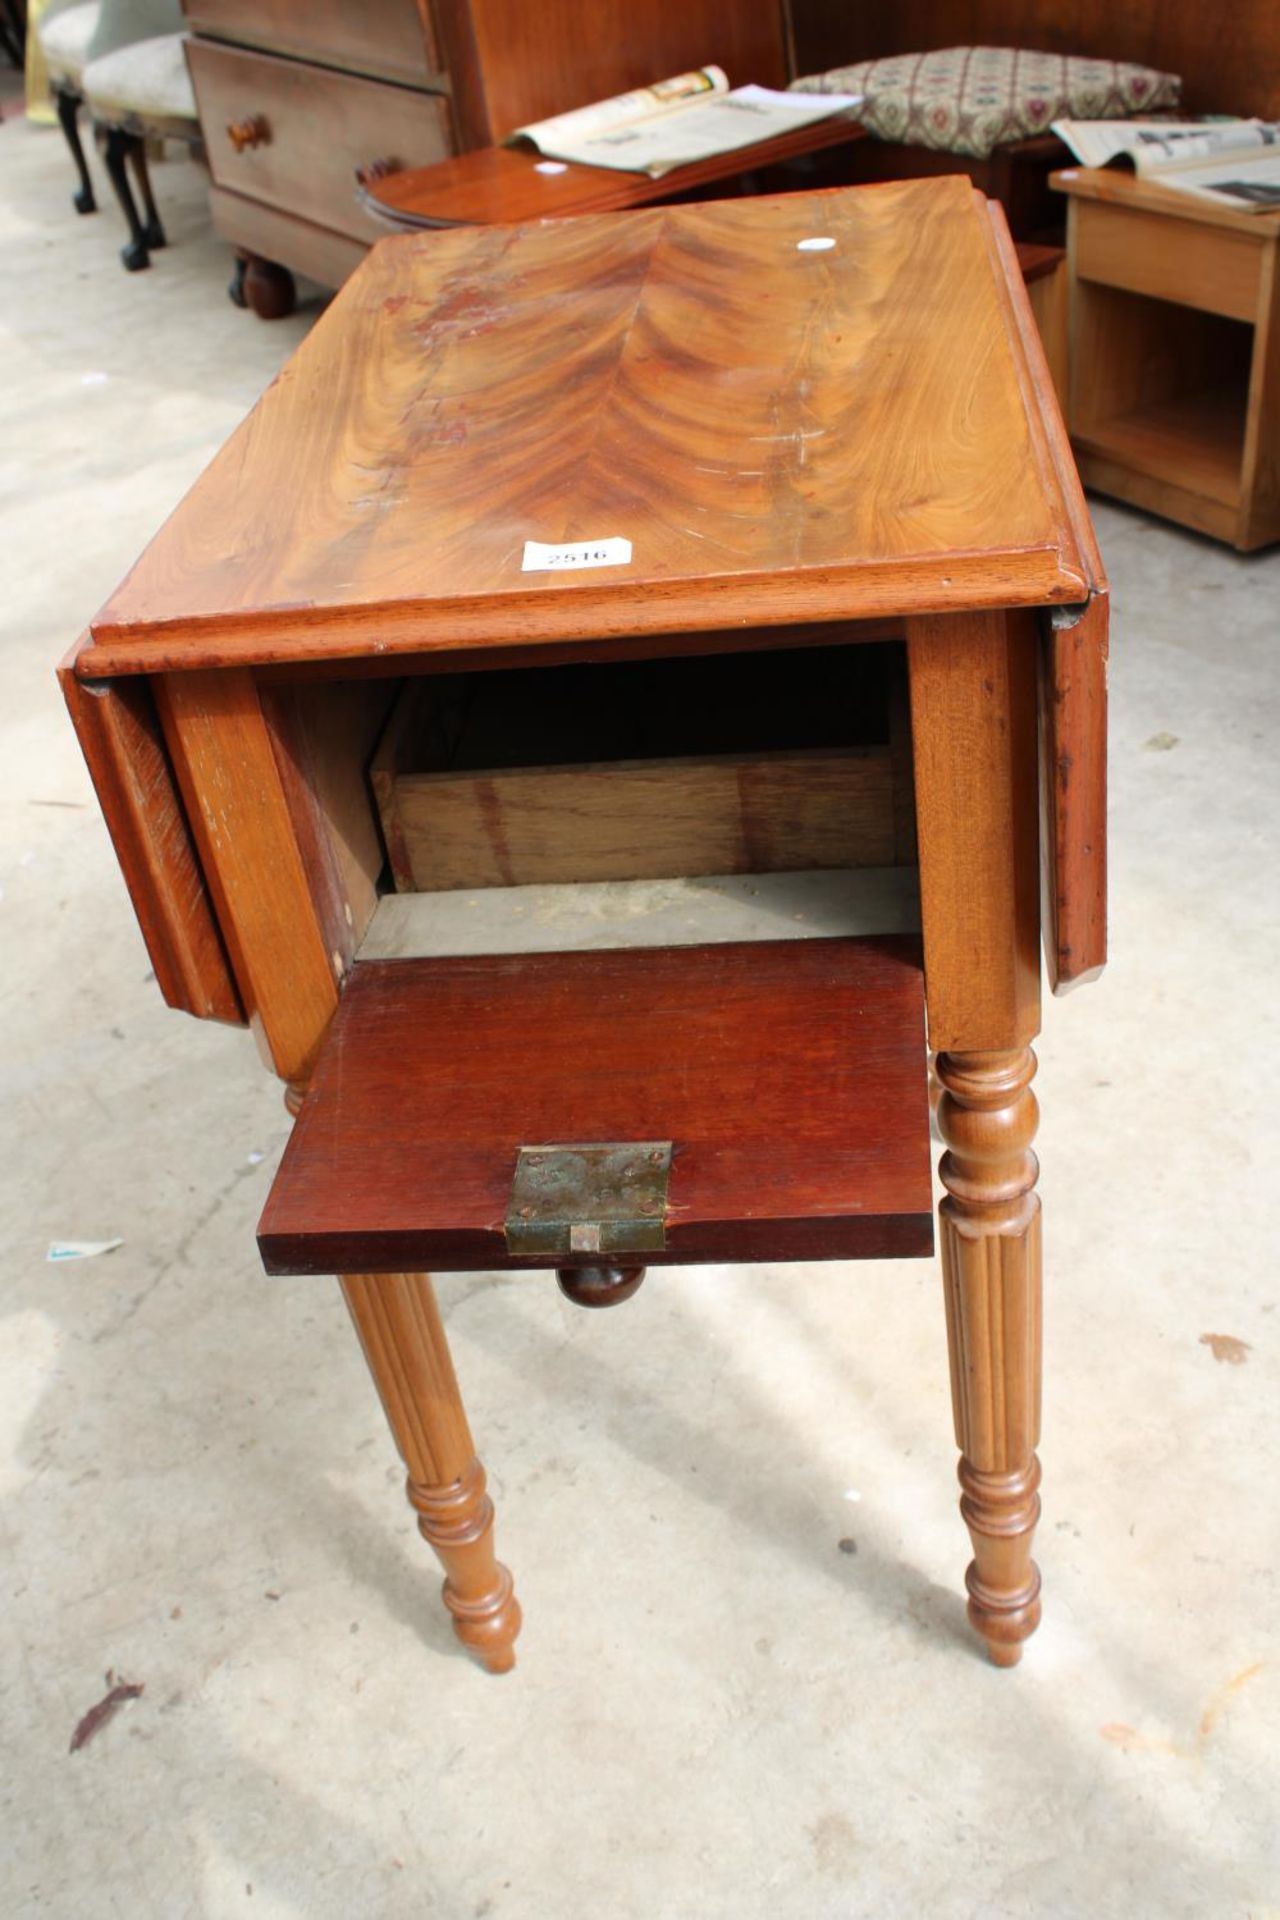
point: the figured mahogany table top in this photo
(783, 431)
(493, 186)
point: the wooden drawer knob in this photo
(253, 132)
(376, 170)
(599, 1286)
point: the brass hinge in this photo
(598, 1199)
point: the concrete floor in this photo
(746, 1687)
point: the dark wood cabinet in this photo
(509, 64)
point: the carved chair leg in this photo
(399, 1325)
(115, 147)
(990, 1232)
(68, 104)
(153, 231)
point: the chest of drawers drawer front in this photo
(292, 135)
(388, 39)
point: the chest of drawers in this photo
(298, 103)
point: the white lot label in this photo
(540, 558)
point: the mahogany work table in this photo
(586, 720)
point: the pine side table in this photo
(507, 726)
(1174, 353)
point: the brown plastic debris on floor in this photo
(1225, 1346)
(118, 1691)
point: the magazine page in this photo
(1235, 163)
(1249, 181)
(701, 129)
(1150, 144)
(642, 103)
(1243, 173)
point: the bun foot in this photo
(268, 288)
(599, 1286)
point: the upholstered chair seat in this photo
(144, 87)
(64, 40)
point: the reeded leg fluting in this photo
(399, 1325)
(990, 1233)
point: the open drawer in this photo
(757, 1100)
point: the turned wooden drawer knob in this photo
(375, 170)
(253, 132)
(599, 1286)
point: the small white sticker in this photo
(819, 243)
(540, 558)
(550, 166)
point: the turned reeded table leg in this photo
(974, 735)
(399, 1325)
(990, 1232)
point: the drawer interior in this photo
(752, 1012)
(780, 761)
(741, 796)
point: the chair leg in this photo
(115, 147)
(136, 154)
(13, 31)
(404, 1342)
(68, 105)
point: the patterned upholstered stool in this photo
(987, 112)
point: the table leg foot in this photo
(457, 1521)
(990, 1234)
(398, 1322)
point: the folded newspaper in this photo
(1233, 162)
(694, 116)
